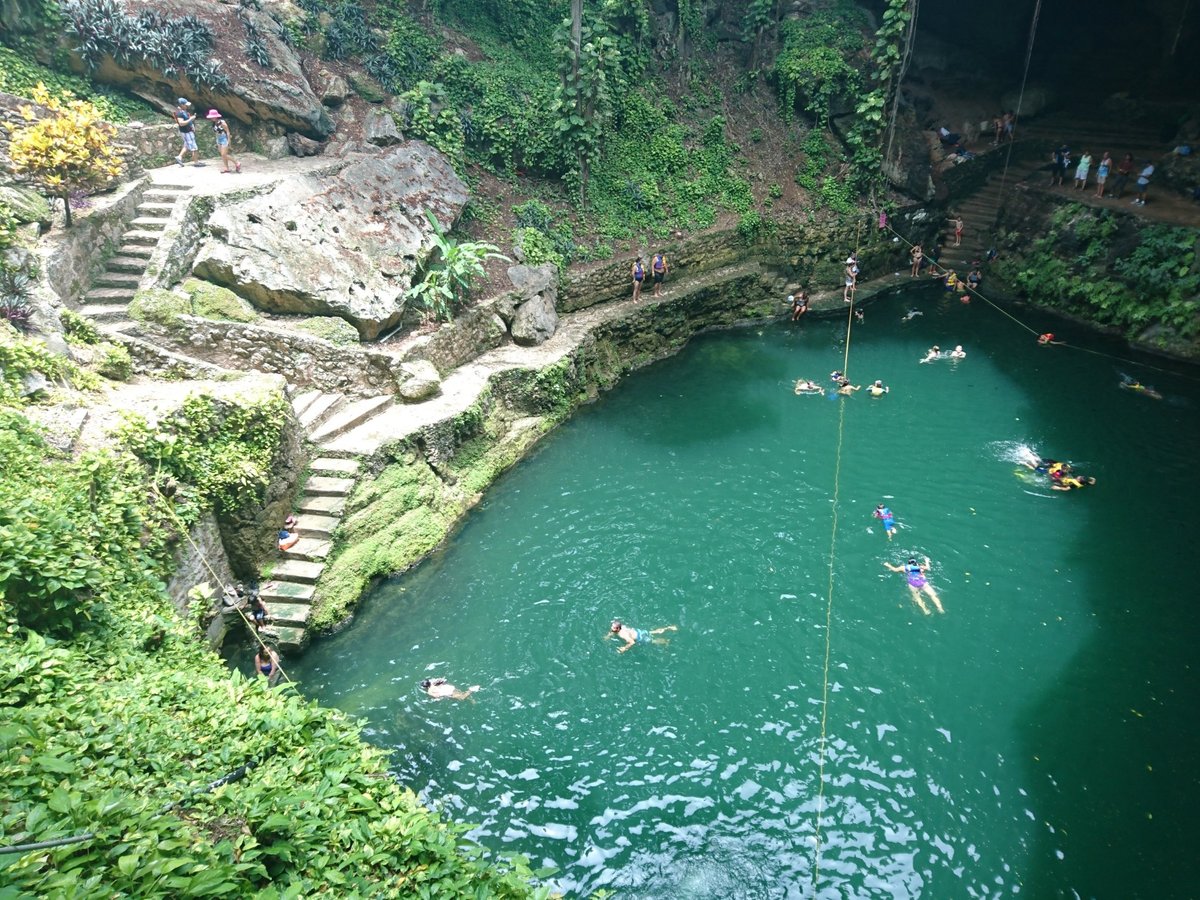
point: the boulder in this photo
(278, 92)
(344, 244)
(26, 204)
(299, 145)
(380, 129)
(335, 92)
(420, 381)
(530, 280)
(535, 321)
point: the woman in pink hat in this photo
(221, 128)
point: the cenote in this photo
(1038, 738)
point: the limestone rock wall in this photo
(197, 558)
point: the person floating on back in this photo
(804, 386)
(440, 689)
(884, 515)
(914, 574)
(633, 636)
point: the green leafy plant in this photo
(21, 73)
(116, 363)
(16, 291)
(447, 283)
(8, 226)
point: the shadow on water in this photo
(1120, 763)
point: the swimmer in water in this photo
(910, 315)
(859, 317)
(878, 389)
(633, 636)
(958, 352)
(804, 386)
(845, 388)
(440, 689)
(1072, 482)
(914, 574)
(884, 515)
(1047, 339)
(932, 353)
(835, 375)
(1132, 384)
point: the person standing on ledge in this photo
(633, 636)
(917, 253)
(659, 268)
(638, 272)
(914, 574)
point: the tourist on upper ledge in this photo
(638, 272)
(917, 255)
(185, 119)
(1102, 170)
(1124, 170)
(1143, 183)
(1082, 170)
(659, 269)
(221, 130)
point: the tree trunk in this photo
(576, 35)
(66, 199)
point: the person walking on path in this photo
(1143, 183)
(914, 574)
(1102, 171)
(1081, 171)
(638, 272)
(659, 267)
(958, 230)
(1124, 170)
(221, 130)
(185, 119)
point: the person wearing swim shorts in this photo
(884, 515)
(914, 574)
(186, 119)
(633, 636)
(659, 269)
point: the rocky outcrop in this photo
(534, 319)
(345, 244)
(299, 145)
(277, 92)
(380, 129)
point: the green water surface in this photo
(1039, 738)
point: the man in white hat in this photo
(184, 118)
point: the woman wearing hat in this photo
(221, 128)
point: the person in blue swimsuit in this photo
(638, 271)
(633, 636)
(266, 663)
(883, 514)
(914, 574)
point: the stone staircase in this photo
(290, 592)
(327, 417)
(107, 301)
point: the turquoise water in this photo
(1038, 738)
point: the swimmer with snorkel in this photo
(914, 574)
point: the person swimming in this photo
(440, 689)
(1069, 482)
(835, 375)
(932, 353)
(884, 515)
(845, 388)
(910, 315)
(1132, 384)
(878, 389)
(958, 352)
(804, 386)
(914, 574)
(633, 636)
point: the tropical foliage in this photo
(117, 721)
(70, 149)
(456, 264)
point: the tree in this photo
(447, 284)
(70, 148)
(582, 102)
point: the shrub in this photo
(15, 293)
(20, 74)
(116, 363)
(77, 329)
(8, 226)
(536, 248)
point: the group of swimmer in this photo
(935, 353)
(914, 572)
(844, 387)
(1062, 476)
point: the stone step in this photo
(320, 409)
(286, 592)
(105, 312)
(157, 195)
(328, 486)
(162, 208)
(141, 237)
(316, 525)
(288, 615)
(284, 637)
(173, 188)
(321, 506)
(108, 295)
(329, 465)
(133, 264)
(140, 251)
(148, 223)
(118, 280)
(349, 417)
(303, 401)
(297, 570)
(310, 549)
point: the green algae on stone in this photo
(330, 328)
(201, 298)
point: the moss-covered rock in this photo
(158, 306)
(26, 205)
(212, 301)
(114, 362)
(366, 87)
(330, 328)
